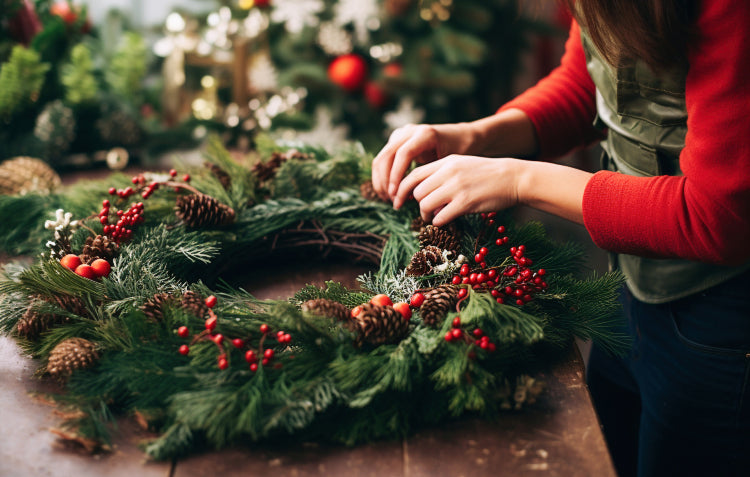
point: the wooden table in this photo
(558, 436)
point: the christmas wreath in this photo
(127, 307)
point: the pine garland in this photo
(259, 370)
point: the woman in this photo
(664, 84)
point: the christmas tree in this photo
(323, 71)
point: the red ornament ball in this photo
(101, 267)
(417, 299)
(382, 300)
(86, 271)
(375, 95)
(70, 261)
(348, 71)
(393, 70)
(356, 311)
(404, 309)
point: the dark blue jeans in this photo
(679, 403)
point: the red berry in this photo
(478, 332)
(287, 338)
(500, 300)
(218, 338)
(491, 347)
(112, 191)
(173, 172)
(457, 333)
(501, 229)
(268, 353)
(211, 301)
(250, 356)
(448, 336)
(223, 363)
(265, 361)
(356, 311)
(184, 350)
(456, 280)
(86, 271)
(382, 300)
(186, 178)
(264, 328)
(456, 322)
(417, 299)
(105, 203)
(254, 367)
(183, 332)
(464, 271)
(404, 309)
(211, 323)
(472, 355)
(101, 267)
(483, 251)
(478, 258)
(462, 293)
(70, 261)
(499, 242)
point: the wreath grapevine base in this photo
(127, 309)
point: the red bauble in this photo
(375, 95)
(393, 70)
(101, 267)
(356, 311)
(382, 300)
(63, 10)
(86, 271)
(404, 309)
(70, 261)
(417, 299)
(348, 71)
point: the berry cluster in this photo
(475, 338)
(384, 300)
(122, 230)
(97, 269)
(254, 356)
(513, 282)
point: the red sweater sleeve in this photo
(562, 105)
(705, 214)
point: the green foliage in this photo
(78, 76)
(127, 67)
(21, 80)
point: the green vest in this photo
(646, 121)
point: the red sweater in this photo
(704, 214)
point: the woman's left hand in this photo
(458, 185)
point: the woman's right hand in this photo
(422, 143)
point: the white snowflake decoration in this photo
(405, 114)
(297, 14)
(262, 74)
(325, 133)
(334, 40)
(362, 14)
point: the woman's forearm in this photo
(507, 134)
(553, 188)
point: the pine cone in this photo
(442, 238)
(32, 323)
(99, 247)
(153, 308)
(203, 210)
(266, 171)
(376, 325)
(437, 303)
(22, 175)
(190, 301)
(220, 174)
(194, 303)
(424, 260)
(69, 355)
(368, 192)
(417, 224)
(329, 308)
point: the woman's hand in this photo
(457, 185)
(421, 143)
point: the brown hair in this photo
(654, 31)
